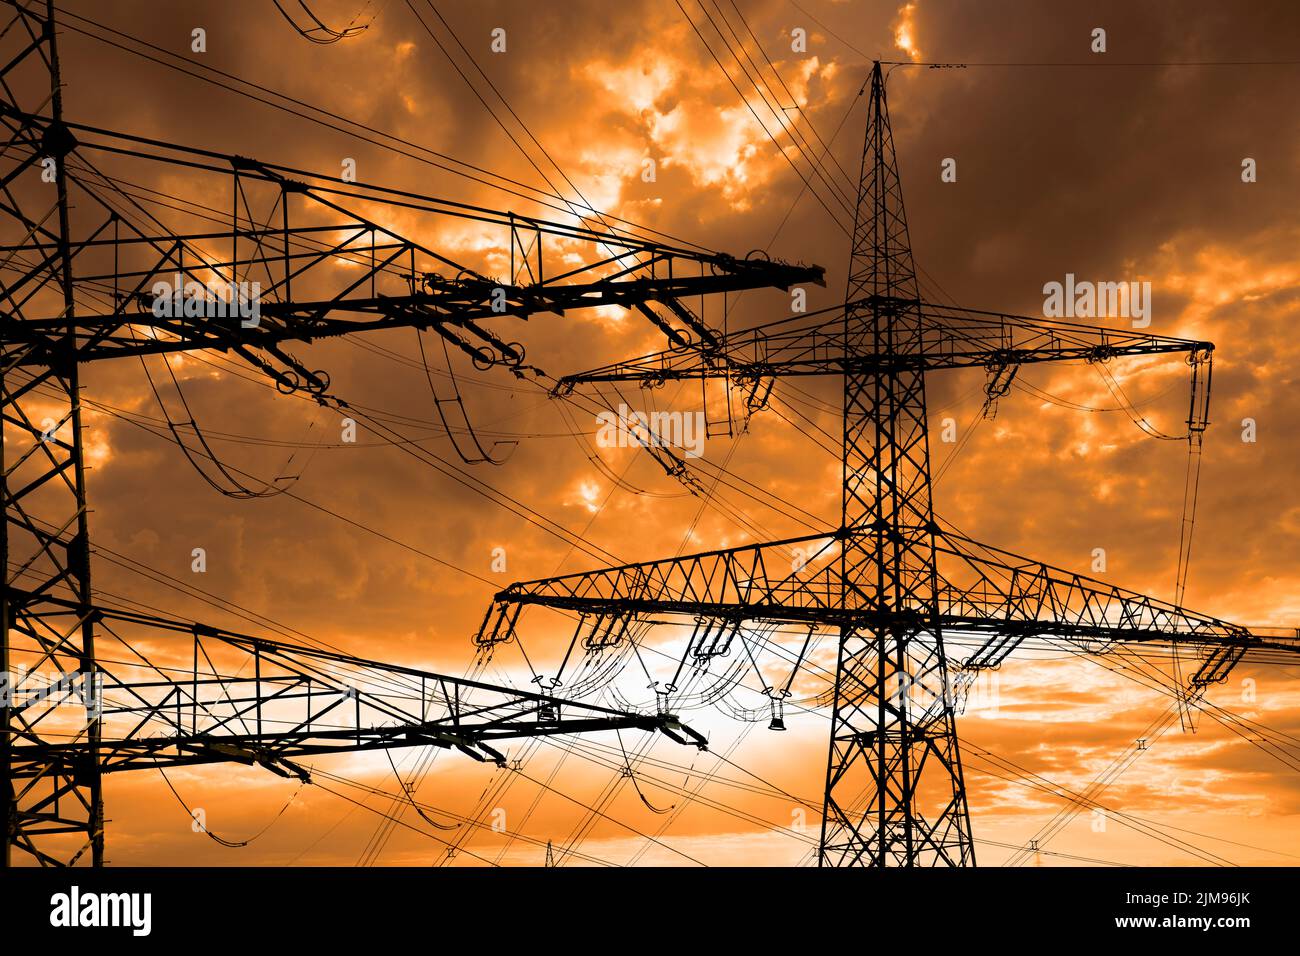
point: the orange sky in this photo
(1110, 174)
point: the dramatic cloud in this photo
(1106, 172)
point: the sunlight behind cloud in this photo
(905, 31)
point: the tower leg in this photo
(47, 640)
(895, 795)
(46, 620)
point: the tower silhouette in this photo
(78, 280)
(891, 578)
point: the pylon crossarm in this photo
(794, 580)
(220, 696)
(314, 224)
(1009, 598)
(982, 590)
(949, 337)
(273, 749)
(956, 337)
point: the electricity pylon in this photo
(81, 257)
(891, 578)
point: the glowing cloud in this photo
(905, 31)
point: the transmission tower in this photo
(891, 579)
(81, 254)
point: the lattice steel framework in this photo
(891, 578)
(80, 258)
(905, 755)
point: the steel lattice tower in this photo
(76, 270)
(880, 738)
(891, 579)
